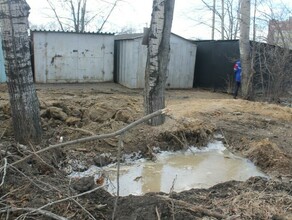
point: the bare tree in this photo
(158, 58)
(56, 14)
(78, 16)
(274, 71)
(23, 98)
(244, 48)
(273, 63)
(279, 21)
(213, 19)
(229, 28)
(222, 19)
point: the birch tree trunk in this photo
(244, 48)
(15, 43)
(158, 58)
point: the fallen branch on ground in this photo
(42, 212)
(84, 209)
(3, 133)
(193, 208)
(95, 137)
(4, 171)
(82, 130)
(63, 200)
(157, 213)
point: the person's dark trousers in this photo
(237, 86)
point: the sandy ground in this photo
(259, 131)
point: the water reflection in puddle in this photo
(191, 169)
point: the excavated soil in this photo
(259, 131)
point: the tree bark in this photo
(158, 58)
(15, 43)
(222, 19)
(244, 47)
(213, 20)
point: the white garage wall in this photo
(66, 57)
(131, 58)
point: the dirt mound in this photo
(181, 133)
(268, 156)
(257, 198)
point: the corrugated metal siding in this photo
(131, 63)
(71, 57)
(132, 56)
(142, 59)
(2, 67)
(182, 63)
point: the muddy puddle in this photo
(193, 168)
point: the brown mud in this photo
(259, 131)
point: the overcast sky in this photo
(137, 14)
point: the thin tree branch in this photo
(3, 133)
(83, 12)
(43, 212)
(65, 199)
(13, 191)
(95, 137)
(56, 14)
(89, 20)
(157, 213)
(193, 208)
(84, 209)
(74, 16)
(81, 130)
(110, 12)
(29, 179)
(211, 8)
(4, 172)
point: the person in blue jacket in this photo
(237, 71)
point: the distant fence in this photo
(214, 63)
